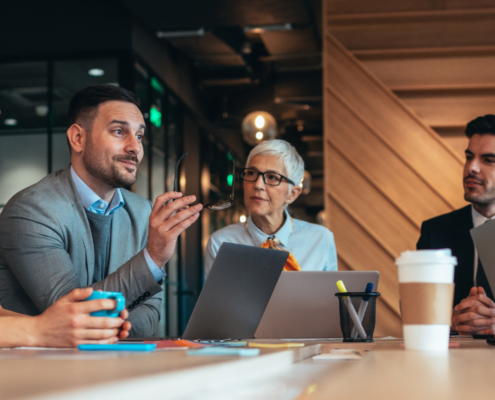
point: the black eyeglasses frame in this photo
(220, 205)
(263, 174)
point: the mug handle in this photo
(120, 299)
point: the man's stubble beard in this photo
(94, 162)
(483, 199)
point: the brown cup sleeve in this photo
(426, 303)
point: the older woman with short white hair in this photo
(273, 173)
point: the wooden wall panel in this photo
(434, 72)
(388, 6)
(414, 30)
(416, 199)
(412, 140)
(458, 143)
(447, 109)
(386, 169)
(378, 216)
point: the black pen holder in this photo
(357, 315)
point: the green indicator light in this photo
(155, 117)
(229, 157)
(157, 85)
(230, 179)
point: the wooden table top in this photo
(386, 371)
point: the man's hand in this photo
(167, 222)
(67, 322)
(474, 315)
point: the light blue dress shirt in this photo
(312, 245)
(93, 203)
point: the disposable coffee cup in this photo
(426, 284)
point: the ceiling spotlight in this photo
(258, 126)
(300, 128)
(96, 72)
(10, 122)
(306, 106)
(259, 122)
(41, 111)
(242, 218)
(246, 48)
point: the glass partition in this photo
(23, 126)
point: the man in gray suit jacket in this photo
(78, 227)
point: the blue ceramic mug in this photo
(118, 297)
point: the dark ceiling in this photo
(193, 14)
(253, 55)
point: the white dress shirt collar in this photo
(479, 219)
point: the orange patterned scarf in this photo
(273, 243)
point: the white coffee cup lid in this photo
(441, 256)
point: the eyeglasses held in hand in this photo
(270, 178)
(220, 205)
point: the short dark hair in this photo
(84, 105)
(481, 125)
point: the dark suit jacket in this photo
(46, 250)
(451, 231)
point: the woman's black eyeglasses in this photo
(222, 204)
(270, 178)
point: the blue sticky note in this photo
(118, 347)
(223, 351)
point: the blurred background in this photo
(374, 95)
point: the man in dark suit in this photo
(474, 311)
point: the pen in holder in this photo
(357, 315)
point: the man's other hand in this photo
(68, 323)
(167, 222)
(474, 315)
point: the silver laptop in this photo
(236, 292)
(304, 305)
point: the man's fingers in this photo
(481, 321)
(467, 317)
(126, 326)
(481, 290)
(489, 331)
(182, 226)
(166, 212)
(123, 335)
(111, 340)
(90, 306)
(468, 329)
(180, 217)
(101, 323)
(96, 334)
(162, 200)
(125, 330)
(124, 314)
(478, 300)
(79, 294)
(473, 291)
(480, 310)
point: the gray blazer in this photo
(46, 250)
